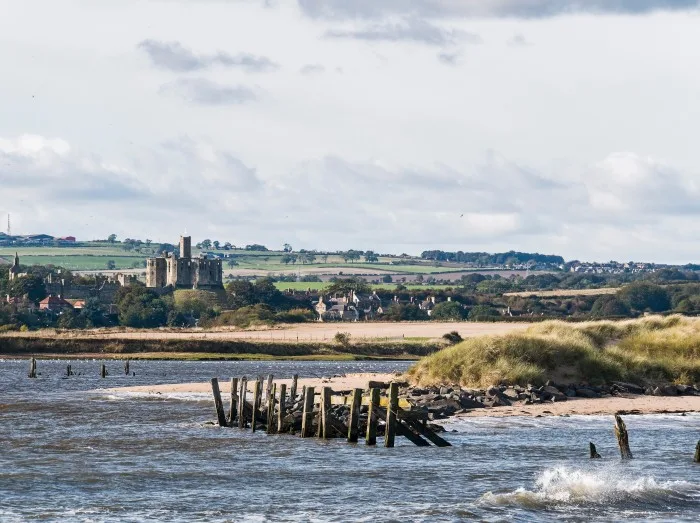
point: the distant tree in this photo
(447, 311)
(167, 247)
(607, 306)
(387, 278)
(344, 286)
(148, 242)
(288, 258)
(307, 257)
(255, 247)
(231, 263)
(206, 244)
(325, 258)
(112, 238)
(93, 313)
(240, 293)
(216, 244)
(31, 286)
(142, 308)
(111, 265)
(228, 246)
(419, 278)
(287, 247)
(482, 311)
(642, 296)
(371, 257)
(405, 312)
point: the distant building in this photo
(54, 304)
(14, 269)
(183, 271)
(69, 239)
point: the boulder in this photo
(630, 388)
(511, 394)
(552, 393)
(669, 390)
(469, 402)
(587, 393)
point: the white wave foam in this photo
(564, 485)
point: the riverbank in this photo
(455, 403)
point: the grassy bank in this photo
(648, 350)
(211, 349)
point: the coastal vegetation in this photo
(646, 351)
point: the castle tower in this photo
(185, 246)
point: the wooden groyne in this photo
(325, 413)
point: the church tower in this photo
(14, 270)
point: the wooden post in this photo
(69, 372)
(220, 415)
(32, 368)
(271, 410)
(268, 389)
(293, 390)
(354, 421)
(371, 438)
(391, 411)
(282, 409)
(622, 438)
(323, 412)
(126, 367)
(233, 407)
(103, 371)
(256, 402)
(594, 452)
(696, 459)
(241, 402)
(308, 412)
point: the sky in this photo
(552, 126)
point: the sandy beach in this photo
(629, 404)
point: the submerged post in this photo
(354, 421)
(293, 390)
(371, 438)
(696, 459)
(220, 415)
(241, 403)
(391, 411)
(282, 409)
(233, 407)
(324, 407)
(271, 410)
(256, 402)
(32, 368)
(126, 367)
(268, 389)
(69, 371)
(594, 452)
(308, 412)
(622, 438)
(103, 371)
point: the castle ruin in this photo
(183, 271)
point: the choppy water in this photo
(67, 454)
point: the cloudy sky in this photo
(557, 126)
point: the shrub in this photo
(453, 337)
(342, 338)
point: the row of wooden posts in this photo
(624, 444)
(69, 369)
(399, 419)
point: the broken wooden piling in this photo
(103, 371)
(354, 419)
(32, 368)
(374, 398)
(622, 438)
(293, 389)
(391, 412)
(256, 403)
(307, 413)
(126, 367)
(271, 410)
(282, 408)
(218, 404)
(241, 404)
(696, 458)
(594, 452)
(233, 406)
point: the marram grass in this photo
(649, 350)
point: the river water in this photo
(68, 453)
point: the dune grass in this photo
(648, 350)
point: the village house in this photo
(55, 304)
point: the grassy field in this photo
(564, 293)
(648, 350)
(83, 262)
(316, 286)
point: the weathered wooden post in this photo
(256, 402)
(69, 372)
(622, 438)
(391, 411)
(282, 409)
(32, 368)
(594, 452)
(308, 412)
(323, 411)
(271, 425)
(126, 367)
(242, 401)
(696, 458)
(354, 421)
(293, 390)
(233, 407)
(220, 415)
(103, 371)
(371, 438)
(268, 389)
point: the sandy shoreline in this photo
(630, 404)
